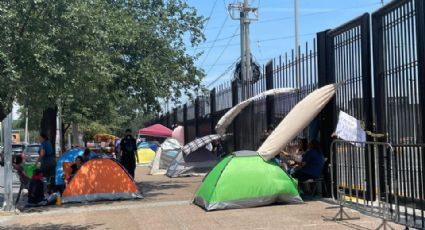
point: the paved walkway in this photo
(167, 205)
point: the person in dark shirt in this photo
(79, 161)
(36, 188)
(47, 157)
(218, 149)
(86, 155)
(129, 152)
(312, 163)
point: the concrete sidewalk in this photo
(167, 205)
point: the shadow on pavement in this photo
(147, 187)
(351, 225)
(52, 227)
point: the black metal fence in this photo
(200, 116)
(388, 96)
(399, 61)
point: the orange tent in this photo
(100, 179)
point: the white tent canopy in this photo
(227, 118)
(196, 163)
(297, 119)
(194, 159)
(165, 155)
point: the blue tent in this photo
(68, 156)
(145, 145)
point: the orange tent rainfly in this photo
(100, 179)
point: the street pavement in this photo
(167, 205)
(15, 184)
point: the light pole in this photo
(8, 186)
(245, 19)
(26, 125)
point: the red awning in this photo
(156, 130)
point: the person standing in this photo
(129, 152)
(47, 160)
(46, 157)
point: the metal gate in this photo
(345, 56)
(399, 60)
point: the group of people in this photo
(306, 163)
(41, 183)
(42, 177)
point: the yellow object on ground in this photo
(145, 155)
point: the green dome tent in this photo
(250, 179)
(244, 180)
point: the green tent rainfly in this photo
(250, 178)
(244, 180)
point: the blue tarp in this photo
(68, 156)
(145, 145)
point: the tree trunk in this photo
(75, 135)
(63, 137)
(48, 125)
(3, 114)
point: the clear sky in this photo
(273, 34)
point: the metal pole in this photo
(248, 74)
(297, 43)
(243, 50)
(59, 129)
(8, 186)
(245, 19)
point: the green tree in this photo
(108, 62)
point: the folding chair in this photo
(24, 185)
(314, 185)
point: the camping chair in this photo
(315, 185)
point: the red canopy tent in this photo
(156, 130)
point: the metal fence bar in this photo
(348, 180)
(408, 189)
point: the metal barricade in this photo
(362, 177)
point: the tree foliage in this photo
(108, 62)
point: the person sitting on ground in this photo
(17, 165)
(36, 188)
(312, 163)
(79, 161)
(86, 155)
